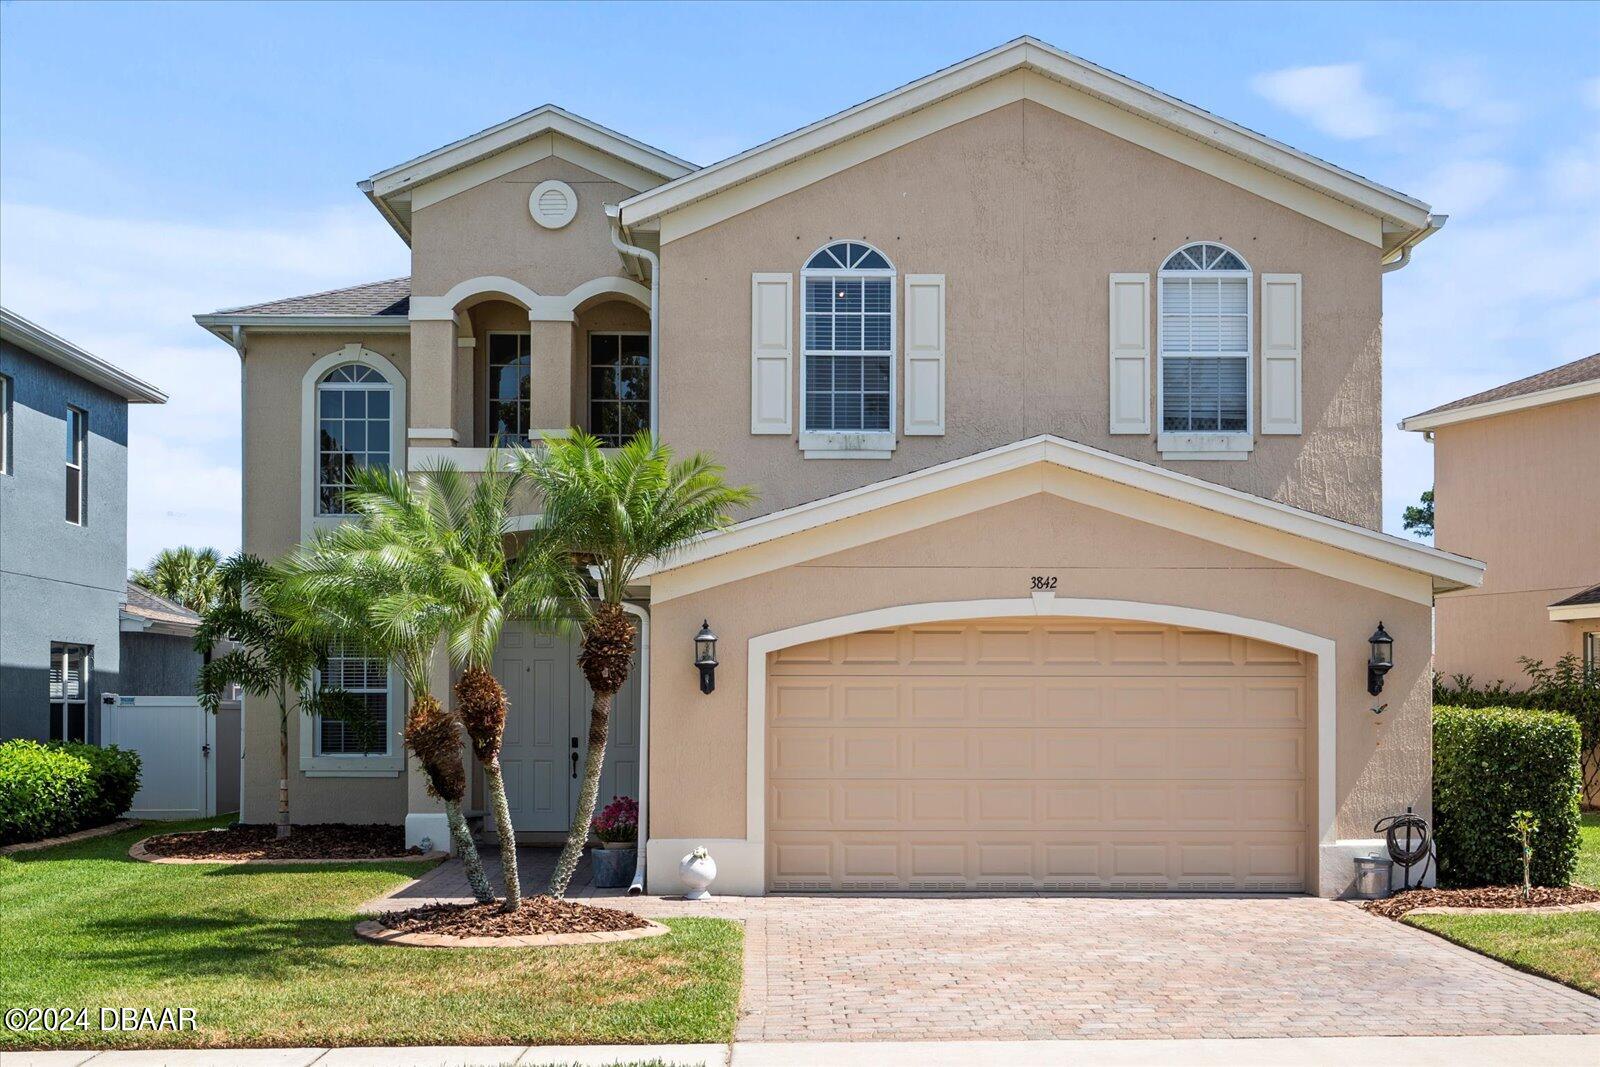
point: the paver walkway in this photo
(826, 968)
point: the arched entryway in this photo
(1040, 751)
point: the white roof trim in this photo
(1556, 395)
(1448, 570)
(34, 338)
(386, 185)
(1574, 612)
(1031, 53)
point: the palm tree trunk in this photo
(283, 769)
(578, 836)
(508, 833)
(468, 853)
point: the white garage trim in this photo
(742, 864)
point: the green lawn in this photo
(1563, 947)
(267, 957)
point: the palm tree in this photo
(447, 534)
(267, 659)
(346, 584)
(190, 576)
(609, 515)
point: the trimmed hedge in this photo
(57, 788)
(1488, 764)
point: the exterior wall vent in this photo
(552, 204)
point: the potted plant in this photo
(617, 828)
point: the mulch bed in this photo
(323, 841)
(1496, 896)
(538, 915)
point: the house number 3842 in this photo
(1044, 581)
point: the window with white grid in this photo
(1205, 341)
(364, 680)
(848, 339)
(354, 430)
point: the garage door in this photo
(1026, 754)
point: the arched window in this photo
(353, 430)
(1205, 341)
(847, 358)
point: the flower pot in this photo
(698, 870)
(622, 845)
(612, 867)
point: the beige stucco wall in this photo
(1519, 492)
(275, 366)
(485, 231)
(697, 742)
(1026, 212)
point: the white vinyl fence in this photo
(177, 742)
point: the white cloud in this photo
(1332, 98)
(126, 290)
(1464, 185)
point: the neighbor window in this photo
(510, 387)
(1205, 341)
(619, 386)
(69, 691)
(353, 424)
(5, 424)
(77, 465)
(365, 680)
(1591, 651)
(848, 341)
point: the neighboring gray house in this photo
(63, 529)
(158, 653)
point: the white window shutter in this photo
(1130, 353)
(771, 353)
(1281, 335)
(924, 354)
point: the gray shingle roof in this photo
(392, 297)
(147, 605)
(1579, 370)
(1590, 595)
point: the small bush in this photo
(56, 788)
(1488, 765)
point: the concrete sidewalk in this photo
(1493, 1051)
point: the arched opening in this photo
(611, 368)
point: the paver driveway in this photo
(968, 968)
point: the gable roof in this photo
(390, 189)
(1407, 220)
(33, 338)
(1447, 570)
(1569, 381)
(1579, 607)
(144, 610)
(373, 305)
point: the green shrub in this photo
(1489, 764)
(56, 788)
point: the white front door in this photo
(548, 726)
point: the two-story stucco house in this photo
(1062, 399)
(63, 530)
(1516, 485)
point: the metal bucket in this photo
(613, 867)
(1372, 877)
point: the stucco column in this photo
(433, 383)
(550, 359)
(425, 813)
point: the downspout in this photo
(614, 213)
(1435, 224)
(636, 887)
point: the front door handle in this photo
(574, 765)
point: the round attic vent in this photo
(552, 204)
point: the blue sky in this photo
(157, 161)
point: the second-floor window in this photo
(77, 465)
(619, 386)
(847, 367)
(510, 387)
(353, 430)
(1205, 341)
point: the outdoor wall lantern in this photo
(1381, 660)
(705, 656)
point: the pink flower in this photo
(619, 821)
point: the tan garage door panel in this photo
(1066, 754)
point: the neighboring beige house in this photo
(1516, 484)
(1062, 397)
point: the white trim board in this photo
(1066, 468)
(38, 341)
(1044, 605)
(1077, 87)
(1574, 612)
(1575, 391)
(540, 308)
